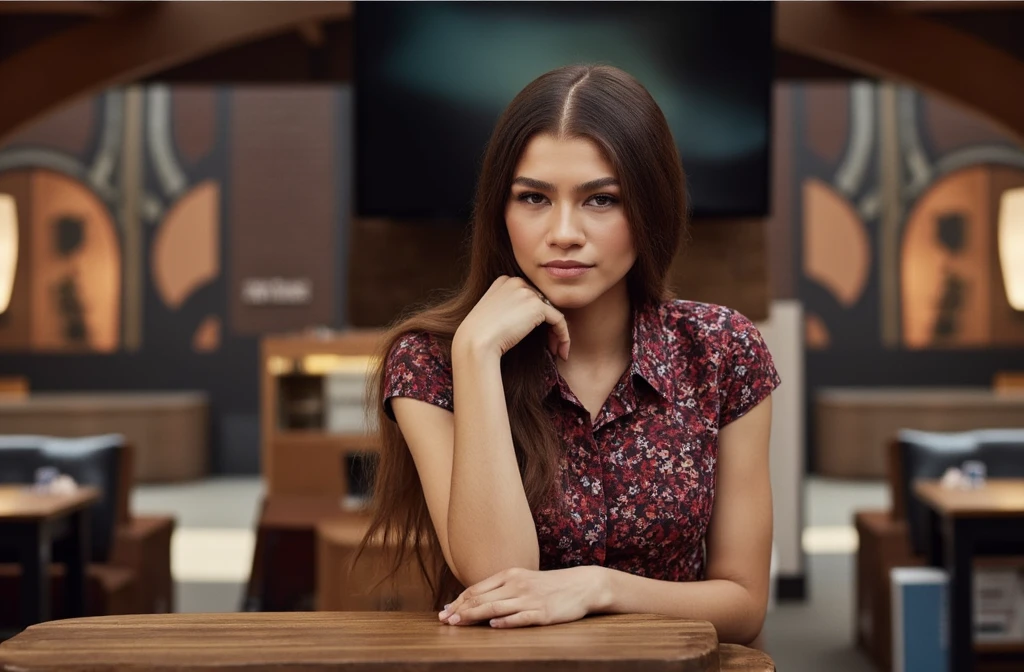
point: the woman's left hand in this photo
(520, 597)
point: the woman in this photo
(561, 437)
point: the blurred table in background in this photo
(412, 642)
(29, 523)
(168, 430)
(854, 425)
(965, 524)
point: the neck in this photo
(602, 330)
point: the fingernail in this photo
(454, 620)
(443, 615)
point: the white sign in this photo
(277, 291)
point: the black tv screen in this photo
(431, 79)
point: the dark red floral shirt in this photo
(638, 481)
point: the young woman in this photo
(561, 437)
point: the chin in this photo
(570, 298)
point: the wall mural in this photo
(838, 195)
(62, 175)
(937, 223)
(142, 213)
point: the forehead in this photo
(570, 160)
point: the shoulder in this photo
(418, 366)
(417, 351)
(710, 327)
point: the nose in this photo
(565, 229)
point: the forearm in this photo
(490, 526)
(736, 614)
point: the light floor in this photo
(213, 545)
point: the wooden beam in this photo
(941, 6)
(133, 44)
(312, 33)
(62, 7)
(910, 49)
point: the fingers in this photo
(477, 590)
(520, 619)
(559, 329)
(486, 611)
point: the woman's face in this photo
(566, 222)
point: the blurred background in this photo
(209, 210)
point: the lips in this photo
(566, 264)
(566, 269)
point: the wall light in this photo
(8, 249)
(1011, 245)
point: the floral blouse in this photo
(638, 481)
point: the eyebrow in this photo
(540, 185)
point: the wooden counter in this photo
(169, 431)
(371, 641)
(853, 426)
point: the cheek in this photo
(618, 241)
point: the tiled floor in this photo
(213, 546)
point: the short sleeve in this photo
(748, 372)
(418, 367)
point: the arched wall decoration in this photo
(871, 39)
(131, 45)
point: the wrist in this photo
(601, 597)
(473, 349)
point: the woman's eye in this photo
(532, 198)
(603, 200)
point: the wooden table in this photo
(964, 524)
(29, 523)
(344, 586)
(284, 560)
(377, 641)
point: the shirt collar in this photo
(649, 355)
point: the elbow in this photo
(745, 630)
(472, 570)
(743, 626)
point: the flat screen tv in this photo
(431, 79)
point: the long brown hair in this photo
(596, 102)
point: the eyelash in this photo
(527, 195)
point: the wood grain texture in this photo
(998, 498)
(733, 657)
(363, 642)
(19, 503)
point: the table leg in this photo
(959, 551)
(34, 547)
(77, 561)
(935, 540)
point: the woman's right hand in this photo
(506, 313)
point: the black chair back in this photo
(930, 454)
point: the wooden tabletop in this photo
(999, 497)
(18, 503)
(296, 512)
(364, 641)
(46, 402)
